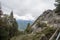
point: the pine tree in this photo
(11, 15)
(14, 27)
(28, 28)
(57, 4)
(0, 10)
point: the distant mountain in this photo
(22, 24)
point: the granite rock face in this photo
(48, 17)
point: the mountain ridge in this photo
(22, 24)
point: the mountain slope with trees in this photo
(8, 26)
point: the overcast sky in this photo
(26, 9)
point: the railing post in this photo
(54, 34)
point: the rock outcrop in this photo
(49, 17)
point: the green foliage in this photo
(8, 28)
(41, 24)
(46, 34)
(13, 30)
(57, 6)
(28, 29)
(3, 34)
(43, 35)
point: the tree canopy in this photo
(57, 4)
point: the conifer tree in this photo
(28, 28)
(57, 4)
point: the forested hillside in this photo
(8, 26)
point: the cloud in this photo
(25, 7)
(25, 17)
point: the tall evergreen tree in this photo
(0, 10)
(28, 28)
(11, 15)
(57, 4)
